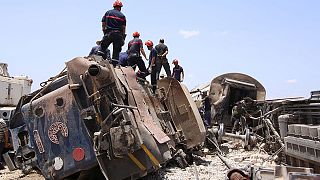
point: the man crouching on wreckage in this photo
(96, 121)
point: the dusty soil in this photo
(207, 167)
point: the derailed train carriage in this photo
(94, 117)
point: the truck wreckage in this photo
(94, 116)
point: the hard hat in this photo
(149, 43)
(136, 34)
(117, 3)
(175, 61)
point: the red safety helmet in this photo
(149, 43)
(117, 3)
(136, 34)
(175, 61)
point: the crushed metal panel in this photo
(218, 83)
(58, 107)
(184, 112)
(143, 109)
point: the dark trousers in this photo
(1, 150)
(137, 61)
(116, 39)
(207, 119)
(162, 62)
(153, 78)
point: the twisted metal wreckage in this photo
(94, 116)
(101, 121)
(288, 129)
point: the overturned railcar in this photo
(94, 119)
(227, 89)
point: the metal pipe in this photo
(124, 106)
(224, 161)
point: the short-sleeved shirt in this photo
(134, 47)
(161, 48)
(114, 20)
(123, 57)
(3, 127)
(153, 54)
(177, 70)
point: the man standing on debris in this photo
(207, 109)
(114, 30)
(4, 139)
(162, 60)
(96, 50)
(177, 71)
(152, 64)
(135, 49)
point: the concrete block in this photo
(297, 129)
(291, 129)
(304, 130)
(313, 131)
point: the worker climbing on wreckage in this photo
(114, 30)
(177, 71)
(96, 50)
(135, 49)
(152, 64)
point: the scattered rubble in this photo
(6, 174)
(208, 167)
(211, 167)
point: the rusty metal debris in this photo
(96, 119)
(93, 114)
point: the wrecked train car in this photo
(298, 123)
(94, 117)
(227, 89)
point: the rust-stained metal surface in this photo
(93, 114)
(237, 80)
(184, 112)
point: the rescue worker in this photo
(114, 30)
(135, 49)
(4, 139)
(96, 50)
(162, 60)
(123, 59)
(152, 64)
(218, 107)
(207, 109)
(239, 114)
(238, 111)
(177, 71)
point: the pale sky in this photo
(274, 41)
